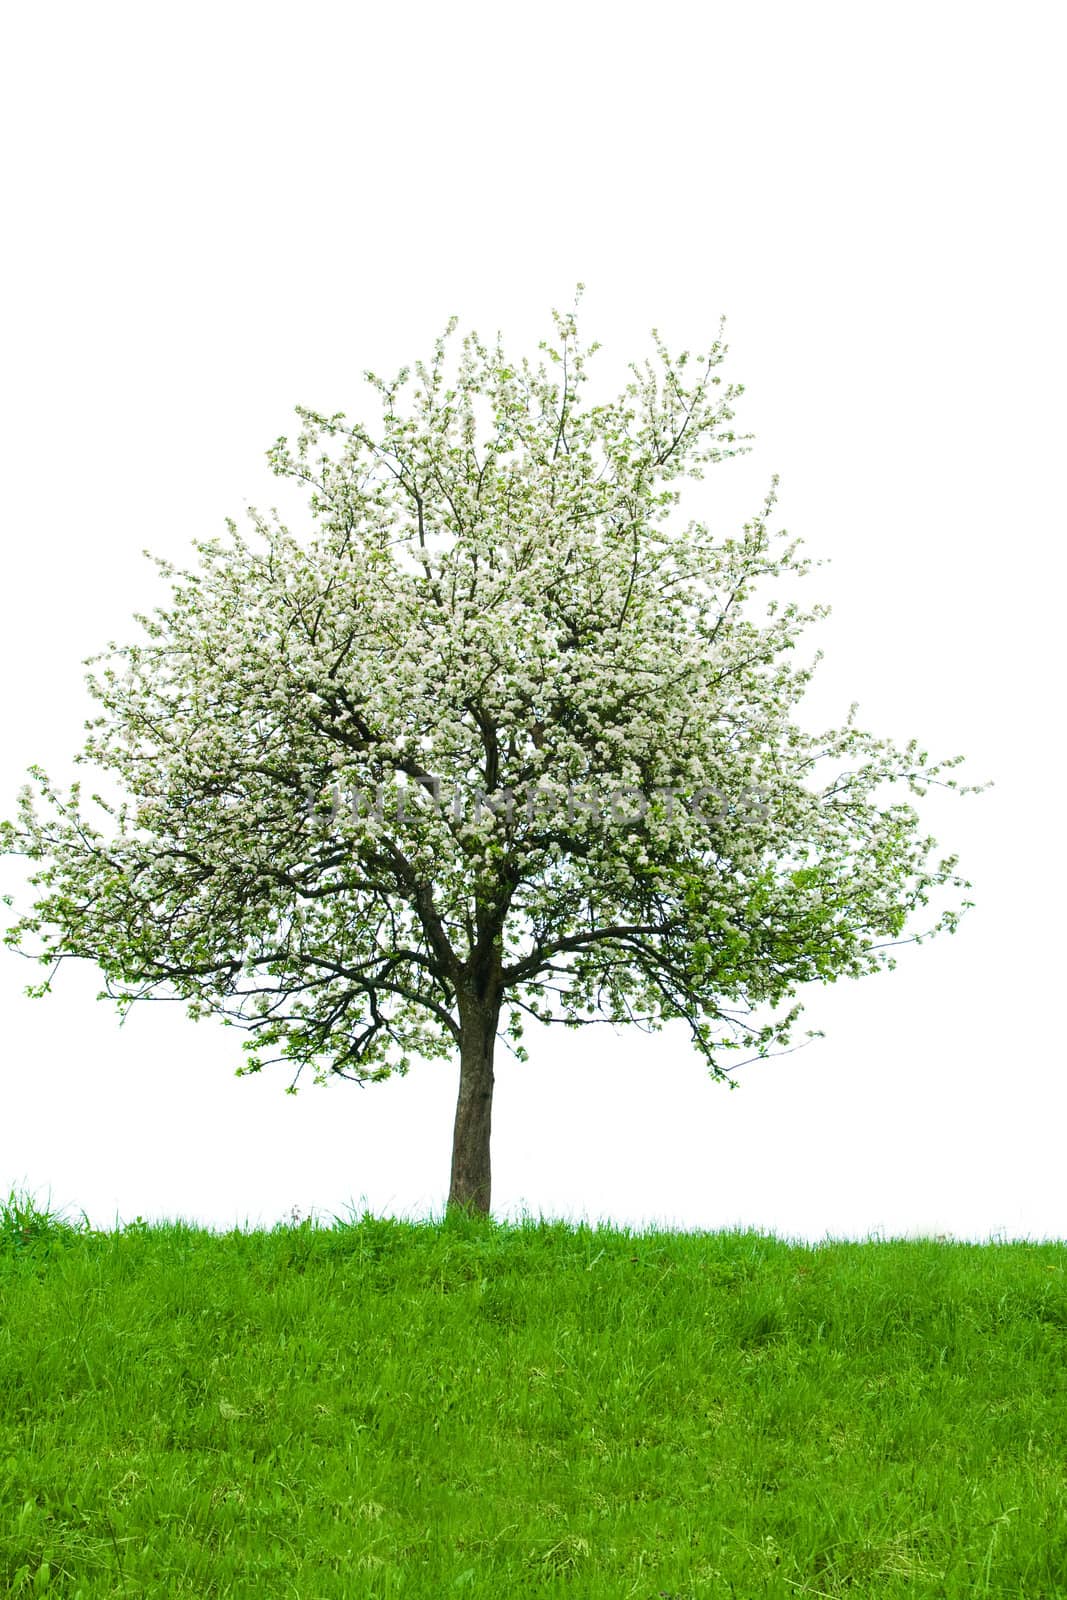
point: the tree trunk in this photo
(471, 1176)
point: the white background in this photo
(214, 213)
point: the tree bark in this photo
(470, 1186)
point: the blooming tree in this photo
(494, 740)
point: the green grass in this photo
(383, 1408)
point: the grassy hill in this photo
(379, 1409)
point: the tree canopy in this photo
(495, 740)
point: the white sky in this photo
(215, 213)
